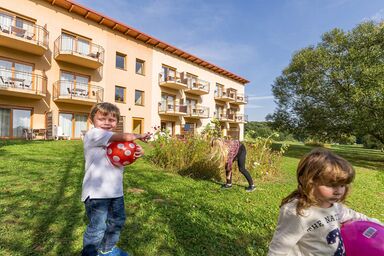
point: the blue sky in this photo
(251, 38)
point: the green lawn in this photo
(41, 212)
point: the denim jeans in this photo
(106, 218)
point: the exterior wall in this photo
(160, 58)
(56, 20)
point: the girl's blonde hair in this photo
(219, 151)
(319, 167)
(105, 108)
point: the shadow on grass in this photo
(190, 229)
(48, 216)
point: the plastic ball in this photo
(363, 238)
(121, 153)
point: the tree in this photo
(336, 88)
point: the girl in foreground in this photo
(311, 216)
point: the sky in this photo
(254, 39)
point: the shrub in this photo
(188, 156)
(316, 143)
(371, 143)
(191, 157)
(262, 161)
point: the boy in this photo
(103, 183)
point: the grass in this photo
(167, 214)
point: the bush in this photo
(262, 161)
(191, 157)
(188, 156)
(316, 143)
(371, 143)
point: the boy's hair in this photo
(105, 108)
(319, 167)
(219, 151)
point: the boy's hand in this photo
(145, 137)
(139, 151)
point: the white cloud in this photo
(253, 106)
(251, 97)
(377, 17)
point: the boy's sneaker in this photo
(115, 252)
(226, 186)
(250, 188)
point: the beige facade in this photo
(55, 66)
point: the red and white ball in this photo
(121, 153)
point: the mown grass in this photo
(167, 214)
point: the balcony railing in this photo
(225, 95)
(171, 108)
(14, 80)
(198, 111)
(241, 118)
(72, 90)
(88, 50)
(31, 32)
(173, 80)
(241, 98)
(198, 86)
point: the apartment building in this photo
(59, 58)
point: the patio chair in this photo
(3, 81)
(59, 134)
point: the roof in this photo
(117, 26)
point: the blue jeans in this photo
(106, 219)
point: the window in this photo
(219, 91)
(119, 94)
(167, 102)
(168, 74)
(75, 43)
(16, 74)
(140, 67)
(120, 60)
(73, 84)
(14, 121)
(139, 98)
(73, 124)
(11, 24)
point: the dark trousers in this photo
(240, 157)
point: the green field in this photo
(167, 214)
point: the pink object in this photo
(363, 238)
(121, 153)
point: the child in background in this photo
(226, 152)
(311, 216)
(102, 192)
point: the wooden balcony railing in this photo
(198, 111)
(172, 108)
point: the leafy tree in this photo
(334, 89)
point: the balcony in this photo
(198, 112)
(22, 84)
(32, 39)
(227, 96)
(197, 86)
(240, 99)
(240, 118)
(77, 93)
(172, 109)
(221, 116)
(173, 81)
(87, 55)
(234, 133)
